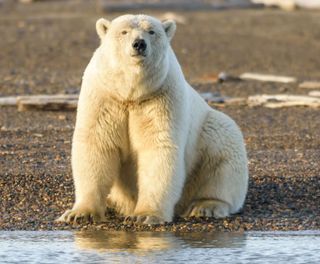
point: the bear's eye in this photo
(151, 32)
(124, 32)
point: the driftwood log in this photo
(267, 78)
(314, 93)
(59, 102)
(56, 102)
(283, 100)
(310, 85)
(8, 101)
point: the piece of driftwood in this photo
(267, 77)
(314, 93)
(59, 102)
(310, 85)
(15, 100)
(31, 1)
(41, 102)
(8, 101)
(283, 100)
(48, 97)
(182, 5)
(49, 105)
(290, 5)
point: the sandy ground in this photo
(45, 48)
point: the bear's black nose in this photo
(139, 45)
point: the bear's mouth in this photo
(139, 54)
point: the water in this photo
(125, 247)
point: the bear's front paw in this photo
(208, 208)
(144, 220)
(82, 216)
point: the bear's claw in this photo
(143, 220)
(78, 217)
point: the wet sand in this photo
(45, 48)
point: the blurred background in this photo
(46, 44)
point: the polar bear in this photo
(145, 142)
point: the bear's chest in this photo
(133, 127)
(144, 127)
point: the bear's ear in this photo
(169, 27)
(102, 26)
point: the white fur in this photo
(145, 139)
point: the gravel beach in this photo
(45, 47)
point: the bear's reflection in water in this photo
(143, 242)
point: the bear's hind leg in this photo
(220, 184)
(221, 190)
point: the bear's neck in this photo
(135, 82)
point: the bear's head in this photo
(135, 39)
